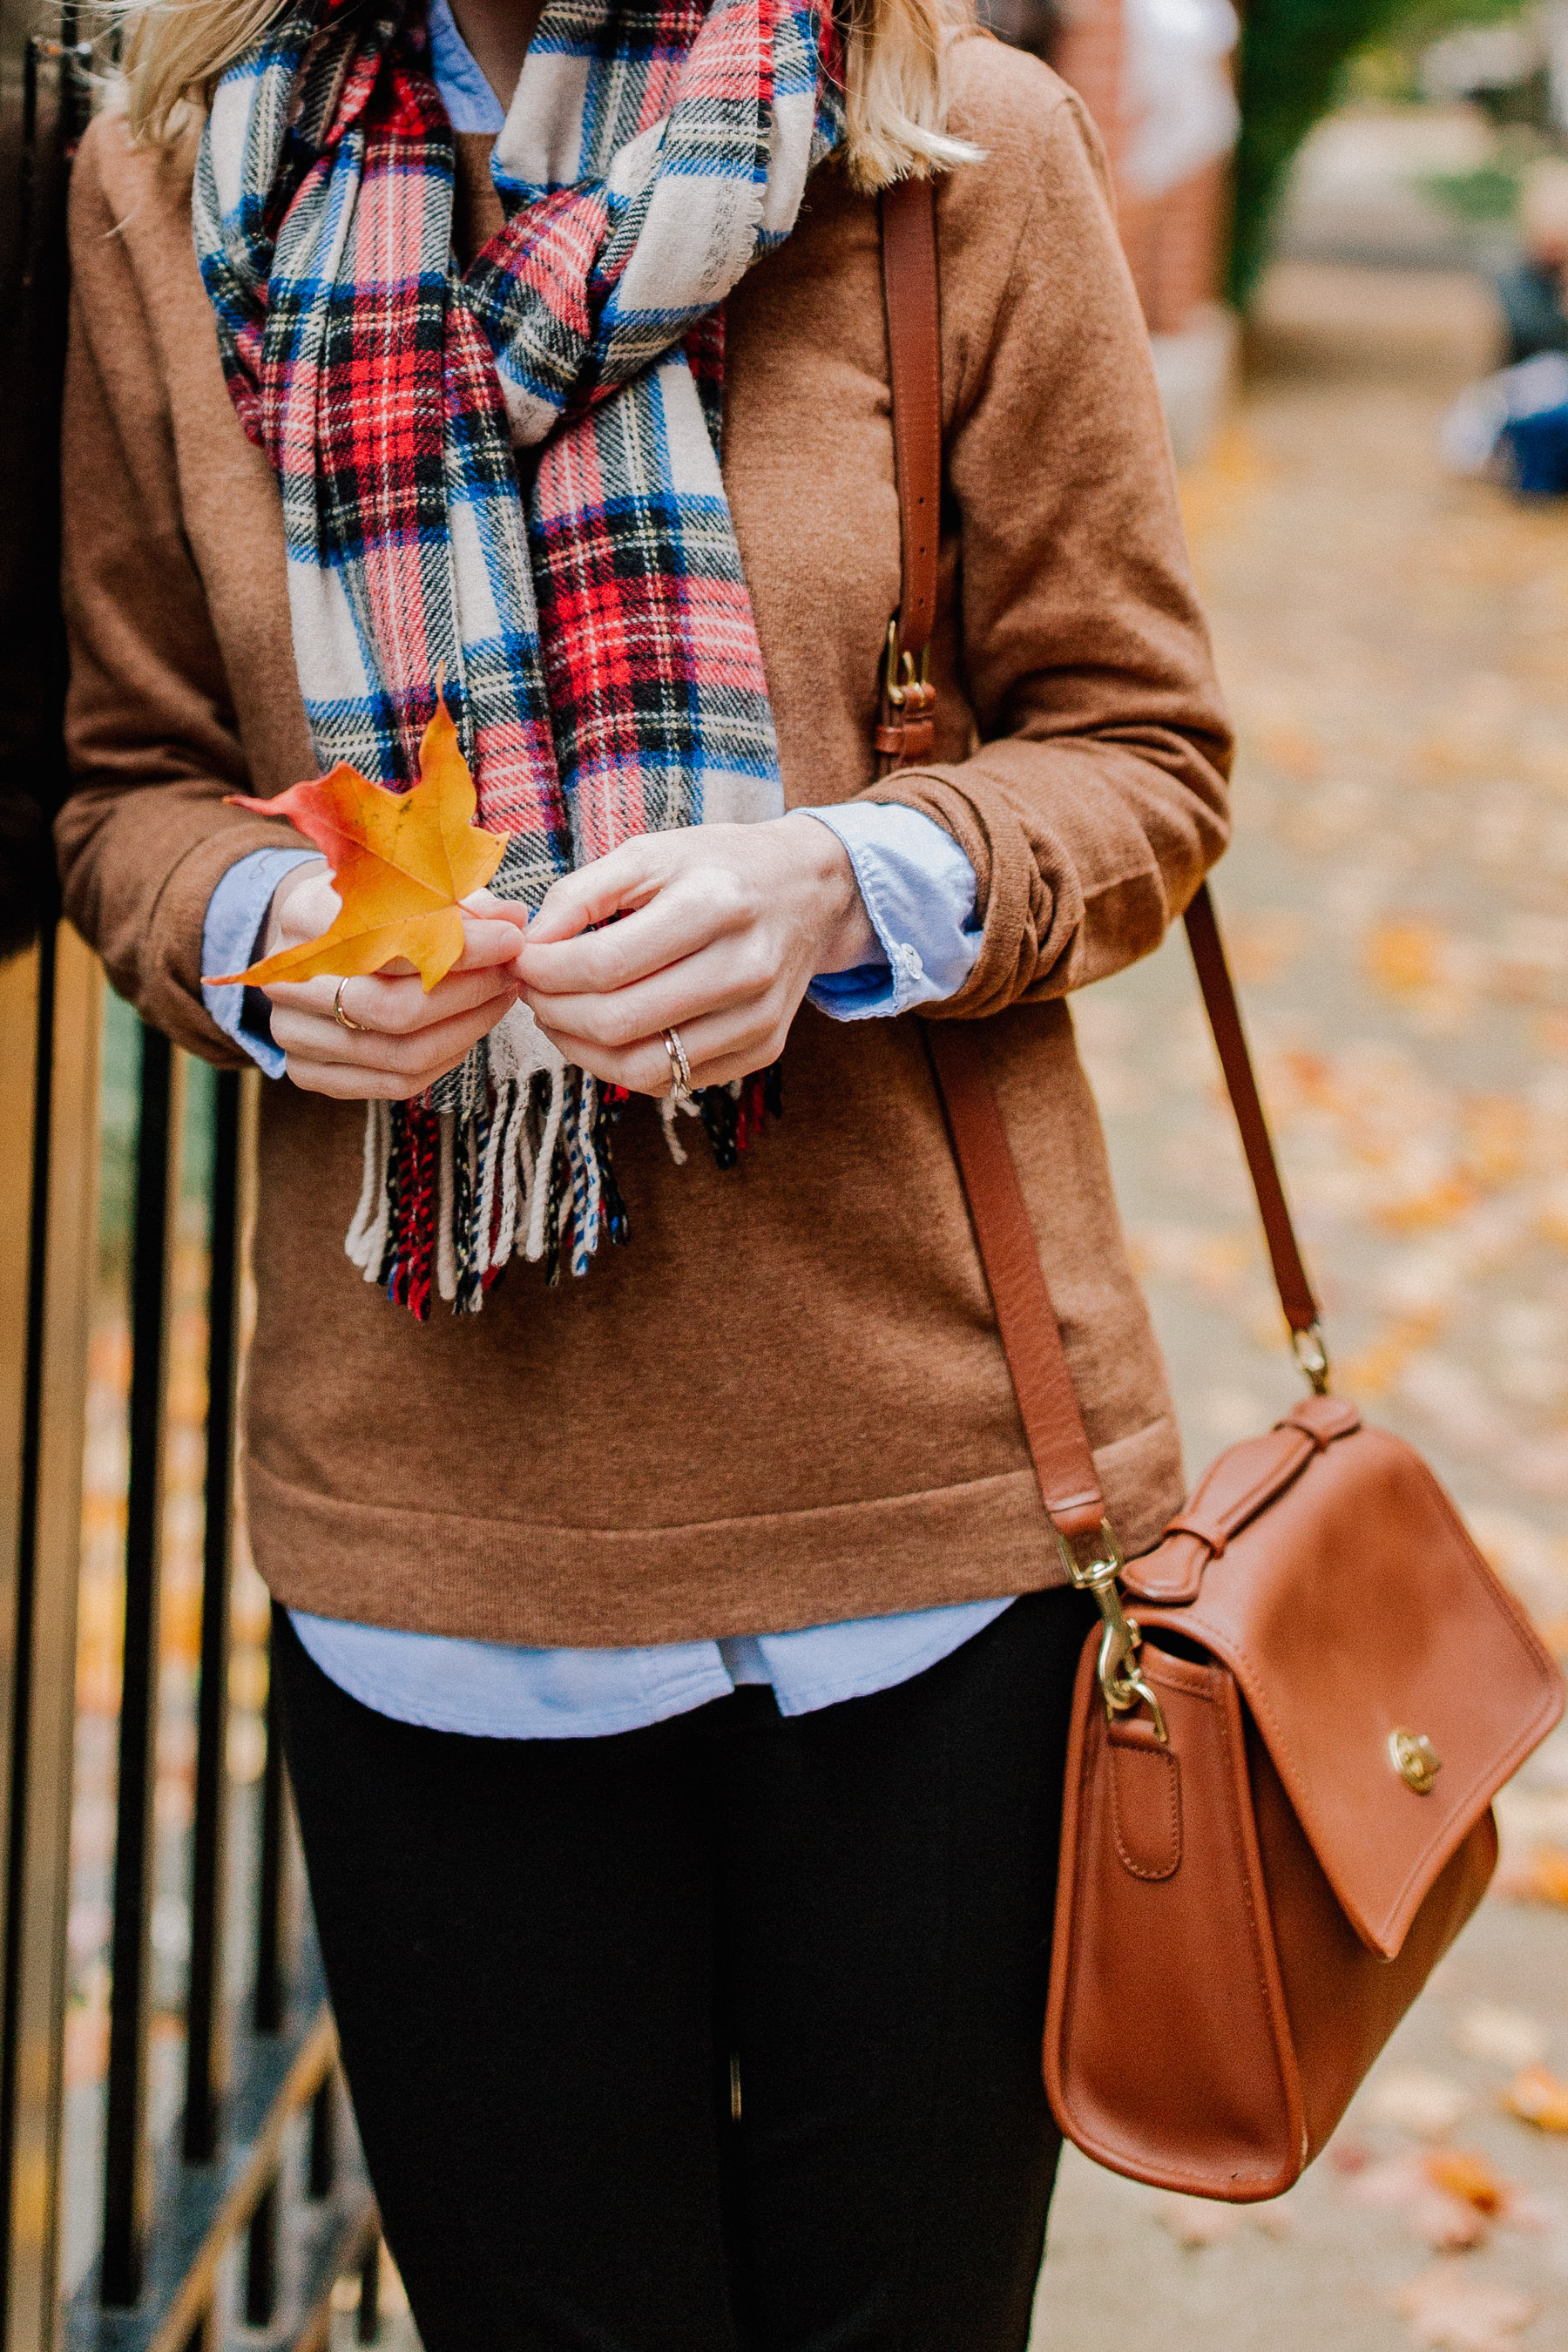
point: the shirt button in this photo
(910, 959)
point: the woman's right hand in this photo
(405, 1040)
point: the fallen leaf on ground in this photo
(1449, 2199)
(1449, 2310)
(1197, 2221)
(400, 862)
(1401, 957)
(1501, 2037)
(1464, 2175)
(1539, 2097)
(1415, 2100)
(1542, 1879)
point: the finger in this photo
(501, 910)
(393, 1007)
(489, 941)
(343, 1083)
(304, 1039)
(304, 905)
(718, 1048)
(622, 878)
(487, 945)
(721, 978)
(417, 1060)
(697, 908)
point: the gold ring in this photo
(679, 1068)
(345, 1020)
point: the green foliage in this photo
(1488, 194)
(1294, 58)
(1385, 68)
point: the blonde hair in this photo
(173, 52)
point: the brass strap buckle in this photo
(900, 682)
(1122, 1683)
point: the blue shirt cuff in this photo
(920, 891)
(231, 934)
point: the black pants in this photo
(558, 1967)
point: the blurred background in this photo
(1356, 311)
(1347, 221)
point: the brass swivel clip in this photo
(902, 683)
(1122, 1683)
(1310, 1352)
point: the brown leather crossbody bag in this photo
(1289, 1729)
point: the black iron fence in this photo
(188, 2177)
(243, 2206)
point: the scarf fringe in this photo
(521, 1163)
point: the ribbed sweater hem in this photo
(493, 1579)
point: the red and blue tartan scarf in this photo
(506, 480)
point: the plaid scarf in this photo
(594, 634)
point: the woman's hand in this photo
(722, 928)
(405, 1040)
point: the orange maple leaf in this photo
(400, 862)
(1539, 2097)
(1468, 2178)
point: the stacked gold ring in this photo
(679, 1068)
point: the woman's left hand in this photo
(722, 928)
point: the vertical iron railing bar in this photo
(204, 2053)
(322, 2171)
(261, 2259)
(271, 1995)
(368, 2327)
(21, 1630)
(41, 1802)
(127, 2162)
(44, 1312)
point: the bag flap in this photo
(1396, 1682)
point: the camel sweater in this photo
(785, 1401)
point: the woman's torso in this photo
(784, 1402)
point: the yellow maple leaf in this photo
(400, 862)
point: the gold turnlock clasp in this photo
(1414, 1760)
(900, 681)
(1312, 1354)
(1122, 1683)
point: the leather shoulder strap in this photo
(1290, 1276)
(1008, 1251)
(1031, 1336)
(911, 296)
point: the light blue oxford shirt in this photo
(919, 889)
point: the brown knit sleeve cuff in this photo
(161, 973)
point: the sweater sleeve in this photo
(150, 732)
(1095, 797)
